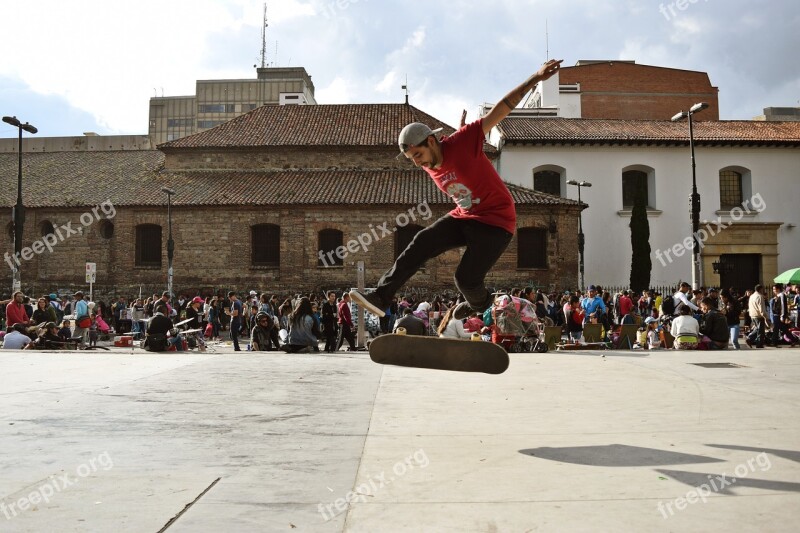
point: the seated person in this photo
(17, 337)
(685, 329)
(412, 324)
(157, 330)
(715, 325)
(451, 327)
(48, 339)
(653, 339)
(65, 333)
(261, 336)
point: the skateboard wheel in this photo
(400, 331)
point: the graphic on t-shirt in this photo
(462, 196)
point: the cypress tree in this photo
(641, 265)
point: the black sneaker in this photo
(462, 311)
(371, 302)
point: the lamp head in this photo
(585, 184)
(29, 128)
(168, 190)
(13, 121)
(698, 107)
(680, 116)
(572, 182)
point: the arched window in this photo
(328, 241)
(106, 229)
(403, 237)
(550, 179)
(532, 248)
(46, 228)
(730, 189)
(148, 245)
(265, 245)
(632, 181)
(547, 181)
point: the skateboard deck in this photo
(439, 354)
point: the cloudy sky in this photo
(92, 65)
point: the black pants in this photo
(345, 333)
(235, 325)
(331, 332)
(485, 244)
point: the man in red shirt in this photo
(484, 219)
(15, 311)
(625, 305)
(345, 323)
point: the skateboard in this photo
(439, 354)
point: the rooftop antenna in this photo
(546, 41)
(275, 62)
(264, 39)
(405, 88)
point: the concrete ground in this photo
(563, 441)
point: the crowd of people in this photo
(699, 319)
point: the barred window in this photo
(547, 181)
(329, 240)
(265, 245)
(532, 248)
(148, 245)
(730, 189)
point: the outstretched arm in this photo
(502, 108)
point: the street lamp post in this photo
(170, 242)
(19, 210)
(581, 241)
(694, 198)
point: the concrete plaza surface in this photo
(240, 442)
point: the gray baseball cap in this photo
(414, 134)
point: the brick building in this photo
(264, 201)
(623, 90)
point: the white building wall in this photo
(775, 174)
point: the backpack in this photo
(668, 306)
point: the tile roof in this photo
(135, 178)
(311, 125)
(527, 130)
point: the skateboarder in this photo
(484, 219)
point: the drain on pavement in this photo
(719, 365)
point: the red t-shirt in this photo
(468, 177)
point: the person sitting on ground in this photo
(412, 324)
(715, 325)
(16, 338)
(261, 336)
(452, 328)
(685, 329)
(157, 329)
(44, 312)
(48, 339)
(65, 333)
(302, 329)
(653, 340)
